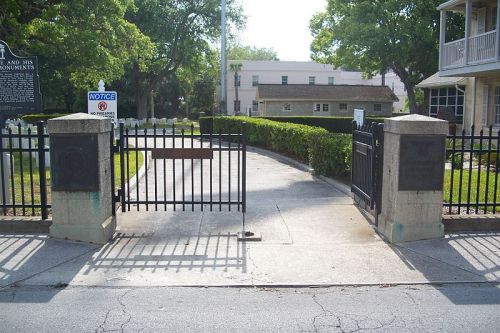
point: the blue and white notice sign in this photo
(103, 103)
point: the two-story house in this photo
(469, 67)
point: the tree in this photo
(78, 42)
(240, 52)
(236, 67)
(179, 29)
(377, 36)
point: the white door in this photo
(481, 21)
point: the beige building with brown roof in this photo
(324, 100)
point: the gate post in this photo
(413, 172)
(81, 178)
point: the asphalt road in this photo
(423, 308)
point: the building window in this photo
(447, 98)
(326, 107)
(312, 80)
(284, 79)
(497, 106)
(237, 80)
(317, 107)
(331, 80)
(237, 106)
(343, 107)
(255, 106)
(377, 107)
(287, 107)
(255, 80)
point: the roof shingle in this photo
(361, 93)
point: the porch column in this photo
(498, 30)
(413, 171)
(442, 37)
(468, 15)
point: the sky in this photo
(282, 25)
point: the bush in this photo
(457, 161)
(331, 124)
(493, 159)
(328, 153)
(206, 125)
(34, 118)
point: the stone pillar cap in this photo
(416, 124)
(79, 123)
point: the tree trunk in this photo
(412, 101)
(152, 104)
(236, 97)
(141, 104)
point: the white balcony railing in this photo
(482, 47)
(453, 54)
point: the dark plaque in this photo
(421, 165)
(74, 163)
(19, 83)
(182, 153)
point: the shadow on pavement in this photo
(472, 253)
(155, 253)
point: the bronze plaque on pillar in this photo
(421, 164)
(74, 161)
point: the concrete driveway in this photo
(312, 234)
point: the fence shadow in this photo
(473, 255)
(130, 252)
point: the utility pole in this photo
(223, 65)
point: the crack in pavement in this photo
(102, 327)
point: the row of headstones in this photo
(13, 126)
(132, 122)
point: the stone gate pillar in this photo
(81, 178)
(413, 171)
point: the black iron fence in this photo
(471, 173)
(24, 171)
(173, 169)
(367, 159)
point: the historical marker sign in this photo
(19, 83)
(421, 166)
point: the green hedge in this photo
(331, 124)
(34, 118)
(329, 154)
(206, 124)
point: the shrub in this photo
(493, 159)
(331, 124)
(34, 118)
(457, 161)
(328, 153)
(206, 125)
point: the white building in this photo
(253, 73)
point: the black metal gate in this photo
(169, 169)
(367, 160)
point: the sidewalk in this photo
(312, 235)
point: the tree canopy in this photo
(136, 46)
(240, 52)
(377, 36)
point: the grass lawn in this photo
(473, 190)
(132, 170)
(27, 179)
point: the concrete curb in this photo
(460, 223)
(345, 189)
(24, 225)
